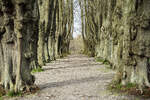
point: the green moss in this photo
(14, 94)
(106, 62)
(149, 60)
(39, 69)
(100, 60)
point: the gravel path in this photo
(75, 77)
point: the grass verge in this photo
(121, 88)
(103, 61)
(129, 89)
(99, 60)
(10, 94)
(39, 69)
(13, 94)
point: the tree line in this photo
(32, 32)
(119, 31)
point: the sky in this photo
(77, 19)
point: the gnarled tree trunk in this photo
(119, 31)
(15, 41)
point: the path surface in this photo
(75, 77)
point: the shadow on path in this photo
(75, 66)
(71, 82)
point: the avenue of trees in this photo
(34, 32)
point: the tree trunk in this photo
(15, 37)
(120, 36)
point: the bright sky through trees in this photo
(77, 19)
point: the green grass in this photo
(119, 87)
(104, 61)
(100, 60)
(130, 85)
(13, 94)
(39, 69)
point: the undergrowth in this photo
(130, 89)
(13, 94)
(39, 69)
(103, 61)
(100, 60)
(10, 94)
(121, 88)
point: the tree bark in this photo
(118, 31)
(15, 40)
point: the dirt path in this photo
(75, 77)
